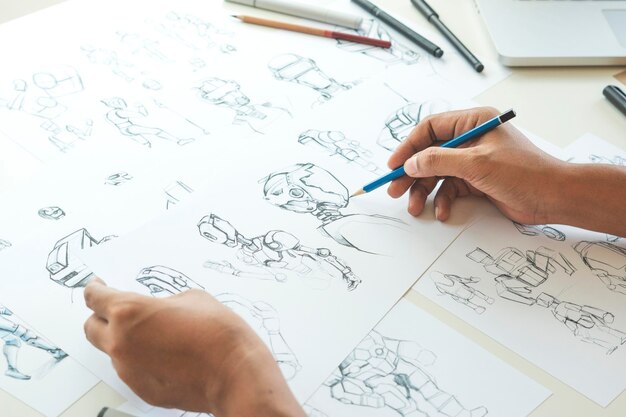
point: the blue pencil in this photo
(453, 143)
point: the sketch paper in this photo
(413, 364)
(591, 149)
(553, 294)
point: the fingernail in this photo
(410, 166)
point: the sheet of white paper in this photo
(589, 148)
(553, 294)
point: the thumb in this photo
(439, 162)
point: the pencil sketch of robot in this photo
(12, 335)
(228, 94)
(386, 373)
(195, 125)
(176, 192)
(110, 59)
(51, 213)
(141, 46)
(124, 119)
(304, 71)
(398, 53)
(64, 138)
(460, 290)
(163, 281)
(274, 255)
(336, 143)
(309, 189)
(4, 244)
(606, 261)
(548, 231)
(589, 324)
(118, 179)
(64, 265)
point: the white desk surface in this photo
(559, 104)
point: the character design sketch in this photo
(143, 46)
(65, 138)
(228, 94)
(176, 192)
(64, 265)
(308, 188)
(118, 178)
(124, 119)
(51, 213)
(4, 244)
(461, 291)
(12, 335)
(388, 373)
(607, 261)
(110, 59)
(274, 255)
(548, 231)
(304, 71)
(194, 33)
(162, 281)
(336, 143)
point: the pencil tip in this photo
(357, 193)
(235, 16)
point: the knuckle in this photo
(431, 158)
(123, 311)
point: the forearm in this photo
(593, 197)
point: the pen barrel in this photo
(616, 96)
(425, 9)
(457, 44)
(360, 39)
(308, 11)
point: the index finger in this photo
(99, 297)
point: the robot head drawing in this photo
(218, 230)
(223, 92)
(115, 103)
(51, 213)
(163, 281)
(305, 188)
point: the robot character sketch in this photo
(273, 255)
(606, 261)
(64, 265)
(398, 53)
(4, 244)
(176, 192)
(228, 94)
(548, 231)
(336, 143)
(401, 122)
(13, 335)
(388, 373)
(51, 213)
(459, 289)
(308, 188)
(124, 119)
(162, 281)
(118, 179)
(193, 32)
(304, 71)
(589, 324)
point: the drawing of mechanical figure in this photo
(372, 29)
(277, 252)
(228, 94)
(518, 273)
(402, 121)
(459, 290)
(589, 324)
(387, 373)
(607, 261)
(308, 188)
(12, 335)
(123, 119)
(4, 244)
(51, 213)
(304, 71)
(336, 143)
(163, 281)
(63, 264)
(548, 231)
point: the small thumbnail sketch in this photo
(606, 261)
(118, 178)
(124, 119)
(615, 160)
(304, 71)
(336, 143)
(64, 265)
(398, 53)
(461, 291)
(548, 231)
(195, 125)
(12, 335)
(152, 84)
(176, 192)
(589, 324)
(51, 213)
(162, 281)
(308, 188)
(197, 64)
(143, 47)
(228, 94)
(382, 372)
(4, 244)
(65, 138)
(274, 255)
(109, 58)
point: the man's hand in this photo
(187, 351)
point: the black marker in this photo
(433, 18)
(400, 27)
(616, 96)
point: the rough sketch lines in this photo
(163, 281)
(460, 290)
(336, 143)
(176, 192)
(118, 178)
(548, 231)
(274, 255)
(143, 47)
(109, 58)
(309, 189)
(4, 244)
(382, 372)
(615, 160)
(51, 213)
(607, 261)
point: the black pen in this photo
(400, 27)
(616, 96)
(433, 18)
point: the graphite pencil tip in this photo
(357, 193)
